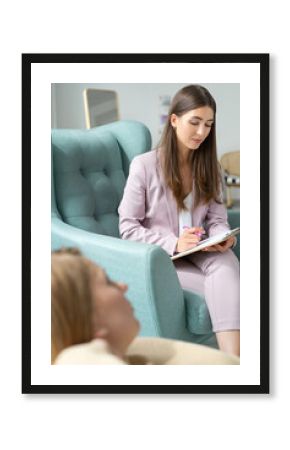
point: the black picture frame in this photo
(263, 61)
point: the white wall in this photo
(141, 102)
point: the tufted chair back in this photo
(89, 171)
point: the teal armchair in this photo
(89, 171)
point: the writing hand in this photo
(189, 238)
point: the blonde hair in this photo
(71, 299)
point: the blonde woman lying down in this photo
(93, 323)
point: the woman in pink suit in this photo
(173, 196)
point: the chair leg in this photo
(229, 198)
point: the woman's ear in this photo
(101, 333)
(173, 120)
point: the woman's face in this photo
(114, 318)
(193, 127)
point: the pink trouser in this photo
(216, 276)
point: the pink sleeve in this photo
(216, 219)
(132, 212)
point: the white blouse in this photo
(185, 215)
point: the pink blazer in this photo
(148, 211)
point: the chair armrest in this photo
(154, 289)
(234, 222)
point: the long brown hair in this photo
(71, 300)
(204, 162)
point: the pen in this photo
(197, 233)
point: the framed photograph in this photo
(139, 88)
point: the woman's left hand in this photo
(222, 247)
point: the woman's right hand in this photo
(189, 238)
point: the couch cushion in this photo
(89, 179)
